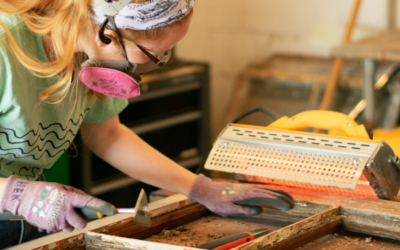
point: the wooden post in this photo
(392, 14)
(331, 87)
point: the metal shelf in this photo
(127, 181)
(168, 122)
(164, 92)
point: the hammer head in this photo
(142, 215)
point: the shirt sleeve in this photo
(101, 111)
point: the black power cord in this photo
(261, 109)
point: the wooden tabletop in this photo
(384, 47)
(307, 70)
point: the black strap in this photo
(114, 27)
(106, 40)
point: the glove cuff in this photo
(197, 191)
(12, 193)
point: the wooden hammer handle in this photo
(337, 67)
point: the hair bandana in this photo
(144, 16)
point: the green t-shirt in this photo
(32, 137)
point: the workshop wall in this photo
(230, 34)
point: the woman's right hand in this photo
(49, 206)
(228, 199)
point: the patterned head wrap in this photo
(144, 16)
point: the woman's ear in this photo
(108, 35)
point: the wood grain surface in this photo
(384, 47)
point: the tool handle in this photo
(228, 242)
(89, 213)
(9, 216)
(84, 211)
(339, 123)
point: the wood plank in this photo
(299, 212)
(307, 70)
(55, 241)
(291, 230)
(371, 228)
(173, 219)
(107, 224)
(96, 241)
(383, 217)
(351, 205)
(309, 235)
(383, 47)
(171, 73)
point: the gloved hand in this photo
(49, 206)
(227, 199)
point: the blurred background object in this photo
(231, 35)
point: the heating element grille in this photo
(313, 159)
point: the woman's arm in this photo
(121, 148)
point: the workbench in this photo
(382, 48)
(290, 84)
(315, 222)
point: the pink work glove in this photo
(227, 199)
(49, 206)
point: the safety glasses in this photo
(156, 61)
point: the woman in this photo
(72, 64)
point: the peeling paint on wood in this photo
(100, 241)
(286, 232)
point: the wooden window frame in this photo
(315, 215)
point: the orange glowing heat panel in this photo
(363, 188)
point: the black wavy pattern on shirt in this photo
(37, 138)
(44, 128)
(39, 149)
(25, 154)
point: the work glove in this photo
(49, 206)
(227, 199)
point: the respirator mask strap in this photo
(130, 67)
(111, 21)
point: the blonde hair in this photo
(62, 20)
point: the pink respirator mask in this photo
(118, 79)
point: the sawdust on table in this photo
(204, 230)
